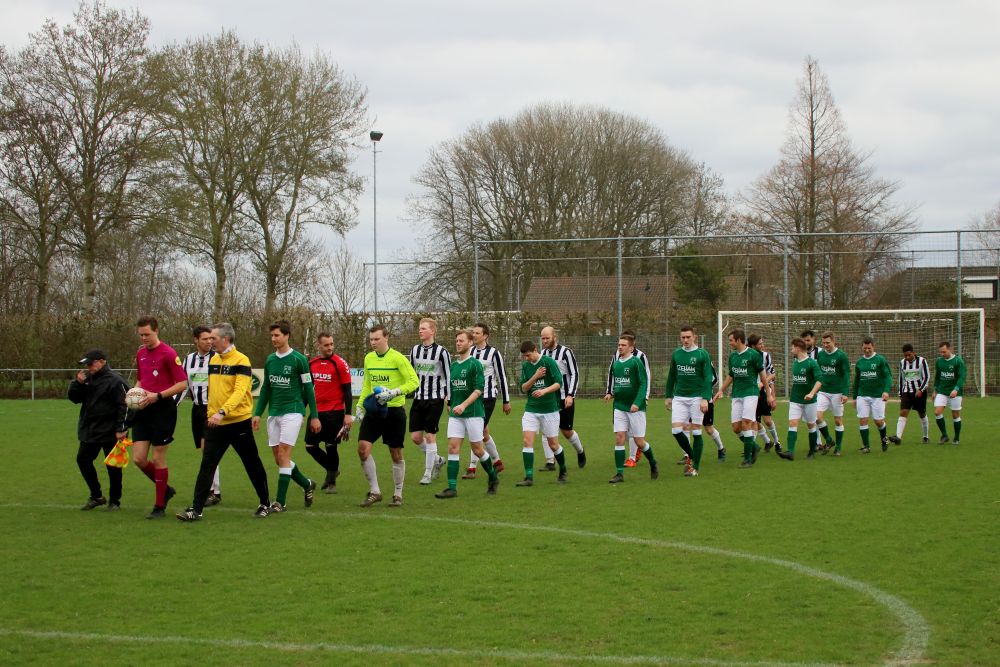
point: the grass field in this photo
(861, 560)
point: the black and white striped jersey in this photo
(196, 367)
(914, 375)
(645, 363)
(433, 366)
(566, 361)
(496, 374)
(812, 353)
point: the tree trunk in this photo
(89, 297)
(220, 288)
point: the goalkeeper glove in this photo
(387, 395)
(359, 414)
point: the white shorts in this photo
(546, 422)
(744, 408)
(633, 423)
(466, 427)
(687, 409)
(942, 400)
(283, 429)
(832, 402)
(872, 406)
(806, 411)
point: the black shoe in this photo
(654, 471)
(865, 450)
(326, 485)
(114, 507)
(885, 444)
(157, 513)
(767, 446)
(722, 454)
(331, 489)
(168, 494)
(189, 515)
(563, 476)
(213, 499)
(581, 459)
(925, 440)
(753, 456)
(447, 493)
(527, 481)
(894, 440)
(491, 486)
(94, 502)
(788, 456)
(777, 448)
(310, 493)
(955, 441)
(943, 440)
(746, 464)
(262, 511)
(811, 455)
(548, 467)
(276, 508)
(617, 479)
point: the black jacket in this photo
(102, 405)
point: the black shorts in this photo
(425, 415)
(331, 422)
(155, 423)
(709, 418)
(490, 404)
(909, 401)
(763, 407)
(391, 428)
(199, 417)
(566, 415)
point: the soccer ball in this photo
(134, 397)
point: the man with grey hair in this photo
(230, 407)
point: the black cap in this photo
(92, 356)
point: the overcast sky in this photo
(918, 83)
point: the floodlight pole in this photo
(375, 136)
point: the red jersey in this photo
(329, 375)
(159, 369)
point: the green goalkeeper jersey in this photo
(745, 367)
(690, 374)
(628, 383)
(872, 376)
(550, 401)
(949, 375)
(287, 386)
(835, 371)
(466, 377)
(805, 374)
(391, 370)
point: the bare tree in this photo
(338, 288)
(85, 81)
(306, 119)
(820, 185)
(205, 94)
(552, 171)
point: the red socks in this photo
(160, 478)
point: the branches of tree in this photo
(213, 154)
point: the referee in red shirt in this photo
(332, 383)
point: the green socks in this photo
(453, 472)
(528, 455)
(699, 446)
(839, 435)
(864, 437)
(560, 457)
(284, 478)
(648, 453)
(620, 459)
(790, 445)
(298, 477)
(487, 464)
(940, 423)
(957, 423)
(825, 430)
(813, 441)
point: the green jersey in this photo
(805, 375)
(835, 371)
(467, 376)
(872, 376)
(390, 370)
(744, 368)
(550, 401)
(690, 374)
(949, 375)
(287, 386)
(628, 383)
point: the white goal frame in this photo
(723, 317)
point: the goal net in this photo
(890, 329)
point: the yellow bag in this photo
(119, 455)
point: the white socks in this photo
(216, 488)
(398, 474)
(368, 467)
(575, 441)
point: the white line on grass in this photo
(915, 637)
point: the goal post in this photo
(924, 328)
